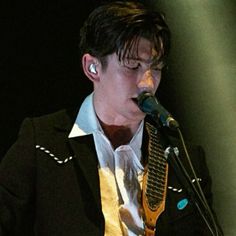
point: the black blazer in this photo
(49, 185)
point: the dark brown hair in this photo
(117, 27)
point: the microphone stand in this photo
(148, 103)
(171, 155)
(195, 192)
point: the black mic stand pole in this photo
(171, 155)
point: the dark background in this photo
(40, 73)
(40, 66)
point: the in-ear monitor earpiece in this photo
(92, 68)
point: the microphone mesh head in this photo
(146, 102)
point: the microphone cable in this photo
(176, 163)
(199, 193)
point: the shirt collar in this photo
(86, 121)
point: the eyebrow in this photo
(153, 60)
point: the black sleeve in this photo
(17, 177)
(207, 187)
(188, 221)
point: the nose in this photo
(146, 82)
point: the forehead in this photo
(142, 49)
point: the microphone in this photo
(149, 104)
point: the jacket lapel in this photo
(83, 150)
(86, 159)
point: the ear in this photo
(87, 61)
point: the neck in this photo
(118, 135)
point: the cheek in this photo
(157, 82)
(114, 86)
(125, 81)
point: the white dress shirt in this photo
(120, 173)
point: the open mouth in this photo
(135, 100)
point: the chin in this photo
(139, 115)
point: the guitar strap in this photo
(154, 181)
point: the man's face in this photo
(122, 82)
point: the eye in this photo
(158, 67)
(133, 67)
(131, 64)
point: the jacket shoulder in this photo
(44, 125)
